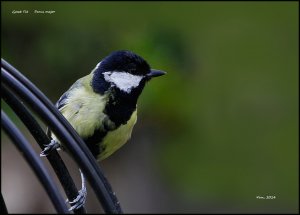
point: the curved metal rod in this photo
(64, 131)
(22, 144)
(3, 206)
(42, 139)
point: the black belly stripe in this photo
(118, 109)
(93, 142)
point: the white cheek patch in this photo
(123, 80)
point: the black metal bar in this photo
(22, 144)
(42, 139)
(65, 133)
(3, 206)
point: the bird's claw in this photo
(79, 201)
(49, 148)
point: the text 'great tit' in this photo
(102, 106)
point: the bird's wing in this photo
(60, 104)
(62, 100)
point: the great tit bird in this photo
(102, 106)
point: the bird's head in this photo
(124, 71)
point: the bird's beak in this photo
(155, 73)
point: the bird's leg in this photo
(50, 147)
(79, 201)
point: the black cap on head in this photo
(125, 61)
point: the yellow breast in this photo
(116, 138)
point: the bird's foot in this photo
(49, 148)
(79, 201)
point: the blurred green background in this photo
(220, 129)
